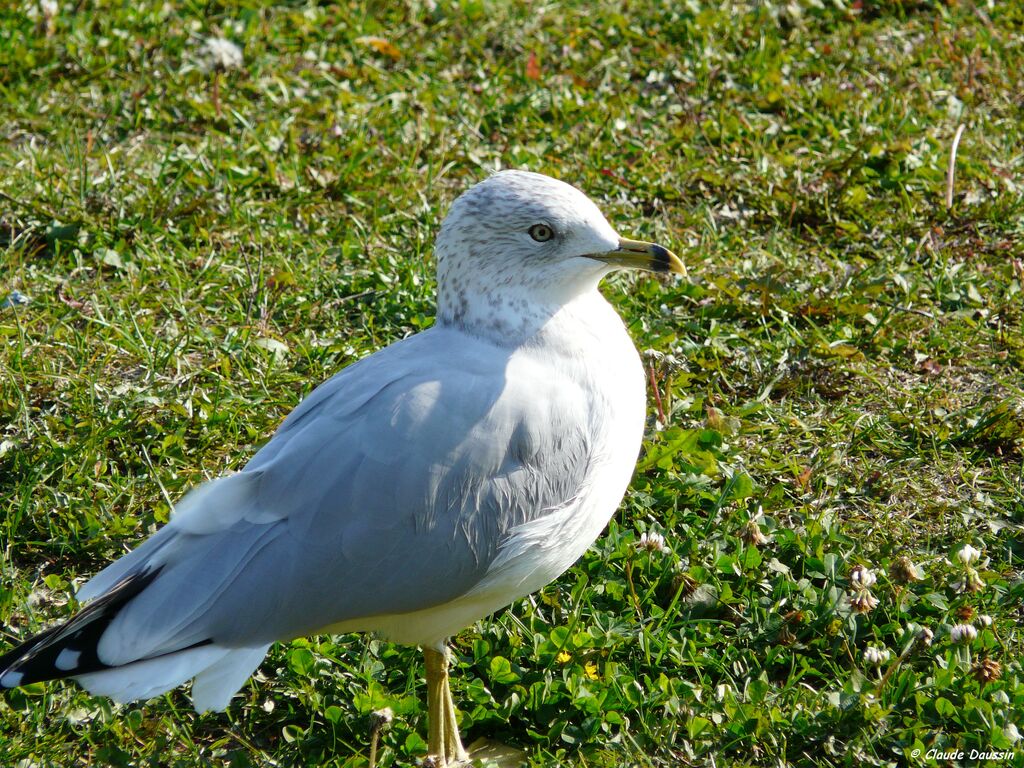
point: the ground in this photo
(201, 238)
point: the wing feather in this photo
(390, 489)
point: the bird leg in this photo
(453, 744)
(443, 743)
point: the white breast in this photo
(605, 364)
(609, 370)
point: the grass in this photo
(841, 377)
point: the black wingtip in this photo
(69, 649)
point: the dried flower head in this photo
(987, 670)
(752, 536)
(664, 361)
(925, 636)
(903, 571)
(684, 584)
(963, 633)
(862, 601)
(965, 613)
(380, 719)
(968, 555)
(785, 636)
(862, 578)
(971, 582)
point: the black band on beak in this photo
(661, 259)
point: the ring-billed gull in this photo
(415, 492)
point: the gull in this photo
(415, 492)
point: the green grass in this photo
(844, 367)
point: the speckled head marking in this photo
(488, 253)
(519, 247)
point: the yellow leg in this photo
(443, 741)
(453, 744)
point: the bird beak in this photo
(636, 254)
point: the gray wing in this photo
(390, 489)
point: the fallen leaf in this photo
(932, 367)
(533, 67)
(72, 302)
(617, 177)
(322, 179)
(278, 349)
(281, 280)
(380, 45)
(580, 82)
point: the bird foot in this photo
(433, 761)
(485, 753)
(482, 753)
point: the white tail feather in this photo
(142, 680)
(214, 686)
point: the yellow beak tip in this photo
(636, 254)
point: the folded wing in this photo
(390, 489)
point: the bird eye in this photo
(541, 232)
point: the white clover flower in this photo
(652, 542)
(968, 555)
(862, 578)
(963, 633)
(985, 620)
(50, 8)
(876, 656)
(925, 636)
(221, 54)
(1011, 733)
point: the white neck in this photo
(507, 308)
